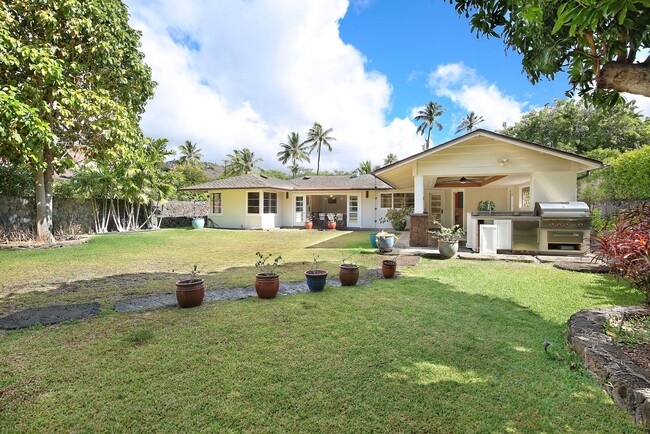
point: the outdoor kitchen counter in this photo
(502, 219)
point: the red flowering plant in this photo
(626, 248)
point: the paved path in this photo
(169, 300)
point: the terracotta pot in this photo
(309, 224)
(267, 286)
(447, 249)
(190, 293)
(388, 268)
(316, 280)
(348, 274)
(331, 225)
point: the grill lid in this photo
(562, 209)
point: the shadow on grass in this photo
(612, 290)
(347, 240)
(476, 363)
(109, 289)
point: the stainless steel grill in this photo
(564, 226)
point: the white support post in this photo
(418, 193)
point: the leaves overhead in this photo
(594, 41)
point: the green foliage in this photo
(485, 205)
(186, 175)
(583, 128)
(293, 150)
(469, 123)
(241, 162)
(269, 268)
(365, 167)
(278, 174)
(190, 153)
(428, 120)
(390, 159)
(578, 37)
(16, 180)
(627, 178)
(443, 233)
(398, 217)
(73, 80)
(319, 137)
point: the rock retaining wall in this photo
(20, 212)
(627, 383)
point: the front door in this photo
(354, 219)
(299, 211)
(436, 201)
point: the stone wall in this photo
(20, 212)
(419, 235)
(613, 207)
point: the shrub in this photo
(626, 248)
(397, 217)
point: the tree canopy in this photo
(293, 150)
(72, 79)
(594, 41)
(190, 153)
(469, 123)
(319, 137)
(572, 126)
(241, 162)
(428, 118)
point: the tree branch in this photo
(624, 77)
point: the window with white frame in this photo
(253, 202)
(270, 203)
(215, 203)
(397, 200)
(525, 197)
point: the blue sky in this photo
(245, 73)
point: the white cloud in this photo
(244, 74)
(463, 86)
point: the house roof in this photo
(486, 154)
(492, 135)
(306, 183)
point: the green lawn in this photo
(451, 346)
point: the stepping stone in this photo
(48, 315)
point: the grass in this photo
(452, 346)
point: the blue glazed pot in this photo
(386, 242)
(198, 223)
(316, 280)
(373, 240)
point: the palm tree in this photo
(365, 167)
(469, 122)
(241, 162)
(390, 159)
(428, 117)
(190, 153)
(317, 137)
(295, 151)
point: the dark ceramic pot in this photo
(348, 274)
(190, 293)
(316, 280)
(266, 285)
(388, 268)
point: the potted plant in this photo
(447, 238)
(267, 281)
(388, 268)
(190, 292)
(397, 217)
(385, 241)
(316, 278)
(485, 206)
(331, 221)
(348, 272)
(309, 224)
(198, 222)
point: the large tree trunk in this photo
(625, 77)
(44, 204)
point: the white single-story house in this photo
(445, 182)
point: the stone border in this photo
(35, 245)
(627, 383)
